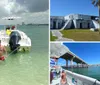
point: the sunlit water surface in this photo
(30, 68)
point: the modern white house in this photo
(74, 21)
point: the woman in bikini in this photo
(2, 51)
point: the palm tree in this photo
(97, 4)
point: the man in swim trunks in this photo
(2, 51)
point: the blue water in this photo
(93, 71)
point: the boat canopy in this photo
(11, 18)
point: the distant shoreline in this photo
(31, 24)
(35, 24)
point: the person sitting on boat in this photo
(8, 31)
(13, 27)
(63, 78)
(2, 51)
(8, 27)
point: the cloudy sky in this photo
(30, 11)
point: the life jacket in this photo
(8, 32)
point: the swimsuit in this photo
(2, 58)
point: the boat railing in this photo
(77, 79)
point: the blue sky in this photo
(65, 7)
(89, 52)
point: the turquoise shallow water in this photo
(29, 68)
(93, 72)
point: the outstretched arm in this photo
(5, 52)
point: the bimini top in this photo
(11, 18)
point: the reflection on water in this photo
(30, 68)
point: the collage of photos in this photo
(50, 42)
(74, 42)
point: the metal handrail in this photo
(84, 80)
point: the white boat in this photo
(75, 79)
(17, 40)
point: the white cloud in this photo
(31, 11)
(40, 17)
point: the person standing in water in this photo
(2, 51)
